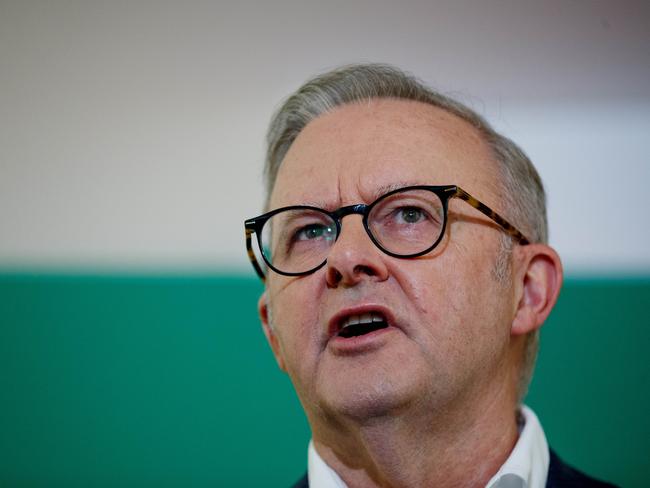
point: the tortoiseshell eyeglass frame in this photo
(444, 192)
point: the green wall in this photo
(167, 381)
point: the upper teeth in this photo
(365, 318)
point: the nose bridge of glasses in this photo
(359, 208)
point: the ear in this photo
(539, 279)
(265, 315)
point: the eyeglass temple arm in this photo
(481, 207)
(251, 255)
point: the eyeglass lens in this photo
(404, 223)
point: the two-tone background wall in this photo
(131, 146)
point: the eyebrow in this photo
(387, 188)
(318, 204)
(374, 194)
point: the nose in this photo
(353, 257)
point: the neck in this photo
(422, 448)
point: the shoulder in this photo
(302, 482)
(561, 475)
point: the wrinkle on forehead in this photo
(368, 195)
(357, 152)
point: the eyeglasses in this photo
(403, 223)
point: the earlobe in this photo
(267, 326)
(540, 282)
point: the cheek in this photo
(456, 301)
(296, 324)
(480, 304)
(435, 293)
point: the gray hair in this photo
(523, 197)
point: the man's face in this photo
(449, 320)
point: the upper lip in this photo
(334, 324)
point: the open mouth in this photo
(358, 325)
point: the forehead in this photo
(357, 150)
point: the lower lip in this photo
(360, 344)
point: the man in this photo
(407, 276)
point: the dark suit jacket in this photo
(560, 475)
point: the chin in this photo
(364, 401)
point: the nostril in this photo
(334, 277)
(362, 269)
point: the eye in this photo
(410, 215)
(407, 210)
(313, 231)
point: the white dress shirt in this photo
(526, 467)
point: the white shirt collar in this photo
(526, 467)
(319, 473)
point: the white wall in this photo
(131, 133)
